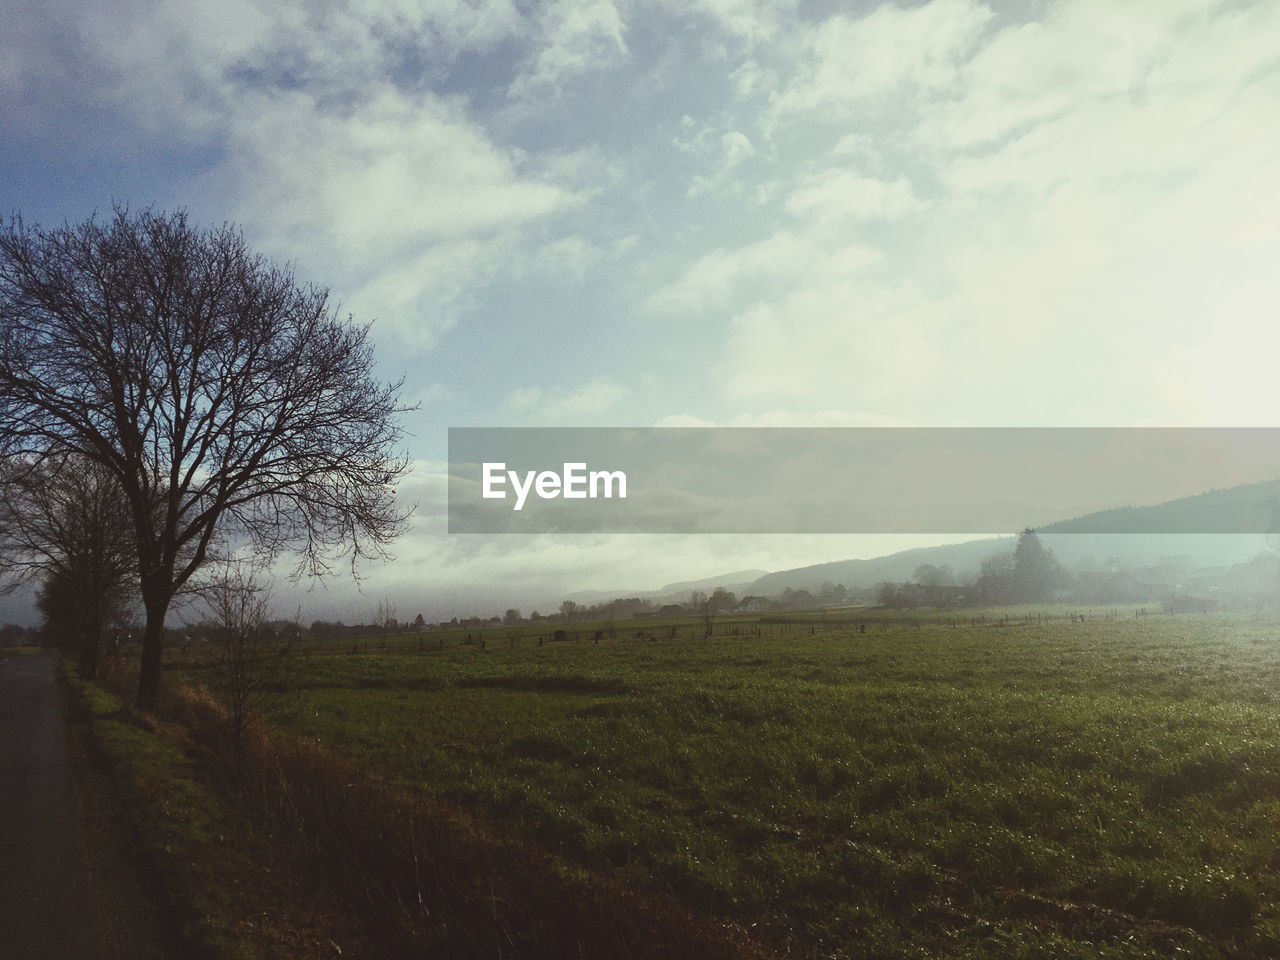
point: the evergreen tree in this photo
(1036, 570)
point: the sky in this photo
(704, 212)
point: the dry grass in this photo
(431, 879)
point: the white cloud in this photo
(892, 51)
(403, 199)
(428, 394)
(841, 193)
(1100, 183)
(525, 399)
(917, 207)
(751, 20)
(821, 418)
(564, 407)
(1080, 52)
(158, 64)
(454, 24)
(595, 397)
(397, 168)
(736, 148)
(719, 152)
(576, 37)
(864, 340)
(793, 419)
(792, 258)
(683, 420)
(396, 196)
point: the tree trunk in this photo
(149, 669)
(89, 642)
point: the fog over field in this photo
(951, 213)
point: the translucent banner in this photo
(863, 480)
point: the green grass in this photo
(20, 651)
(1100, 789)
(181, 822)
(235, 891)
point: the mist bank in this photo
(441, 577)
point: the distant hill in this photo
(1230, 520)
(1087, 543)
(897, 567)
(730, 581)
(1247, 509)
(1076, 551)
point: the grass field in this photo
(1108, 788)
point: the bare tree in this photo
(385, 616)
(720, 600)
(64, 521)
(226, 399)
(249, 660)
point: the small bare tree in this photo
(250, 662)
(708, 607)
(385, 616)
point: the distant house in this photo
(751, 605)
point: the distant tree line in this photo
(1029, 574)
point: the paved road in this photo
(68, 889)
